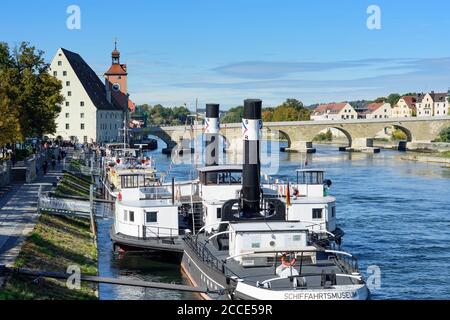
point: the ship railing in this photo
(347, 262)
(160, 233)
(327, 280)
(207, 257)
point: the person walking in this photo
(45, 167)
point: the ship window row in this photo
(128, 216)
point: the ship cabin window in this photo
(317, 214)
(219, 213)
(131, 216)
(310, 177)
(129, 181)
(228, 177)
(134, 181)
(333, 212)
(125, 215)
(151, 217)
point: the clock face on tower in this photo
(116, 87)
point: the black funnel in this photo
(212, 129)
(251, 189)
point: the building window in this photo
(82, 104)
(131, 216)
(55, 73)
(69, 93)
(67, 103)
(59, 63)
(82, 126)
(67, 126)
(82, 115)
(67, 83)
(151, 217)
(85, 138)
(67, 115)
(317, 214)
(64, 73)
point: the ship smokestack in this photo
(251, 127)
(212, 129)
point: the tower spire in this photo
(115, 54)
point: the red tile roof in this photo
(375, 106)
(331, 108)
(117, 69)
(410, 101)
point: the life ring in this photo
(287, 263)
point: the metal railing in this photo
(160, 233)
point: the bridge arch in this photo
(347, 134)
(406, 131)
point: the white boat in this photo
(261, 249)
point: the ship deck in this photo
(174, 245)
(311, 273)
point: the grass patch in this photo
(72, 185)
(445, 154)
(55, 244)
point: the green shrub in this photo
(324, 136)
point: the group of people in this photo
(61, 155)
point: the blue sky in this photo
(225, 51)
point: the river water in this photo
(396, 215)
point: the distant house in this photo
(334, 111)
(376, 110)
(440, 104)
(405, 107)
(433, 104)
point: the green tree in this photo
(393, 98)
(31, 89)
(444, 136)
(9, 120)
(234, 115)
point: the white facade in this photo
(402, 110)
(336, 111)
(378, 111)
(425, 107)
(80, 119)
(441, 108)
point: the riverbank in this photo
(55, 244)
(443, 157)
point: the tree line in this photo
(30, 97)
(160, 115)
(290, 110)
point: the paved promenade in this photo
(18, 214)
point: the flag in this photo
(288, 195)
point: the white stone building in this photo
(334, 111)
(405, 107)
(88, 114)
(381, 110)
(433, 104)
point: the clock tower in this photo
(116, 81)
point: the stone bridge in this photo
(301, 134)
